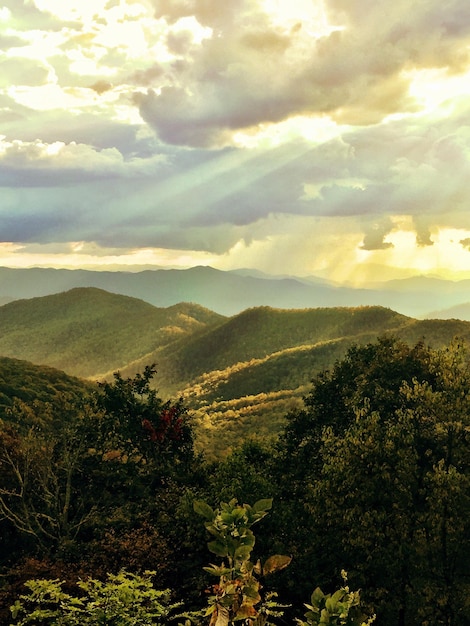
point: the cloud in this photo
(75, 248)
(22, 71)
(423, 238)
(205, 200)
(27, 16)
(246, 75)
(146, 76)
(31, 164)
(101, 86)
(77, 163)
(375, 237)
(11, 41)
(211, 13)
(90, 126)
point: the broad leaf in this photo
(218, 548)
(317, 596)
(276, 563)
(243, 552)
(217, 571)
(202, 508)
(262, 505)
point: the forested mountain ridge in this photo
(263, 331)
(88, 332)
(239, 375)
(231, 292)
(252, 396)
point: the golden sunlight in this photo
(311, 15)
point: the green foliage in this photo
(139, 425)
(123, 445)
(250, 371)
(25, 382)
(390, 497)
(244, 474)
(40, 464)
(342, 608)
(123, 599)
(127, 599)
(238, 595)
(371, 473)
(260, 333)
(253, 365)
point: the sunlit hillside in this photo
(88, 332)
(238, 375)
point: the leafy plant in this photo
(342, 608)
(238, 594)
(123, 600)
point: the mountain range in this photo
(229, 293)
(239, 374)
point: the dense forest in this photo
(370, 475)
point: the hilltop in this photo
(88, 332)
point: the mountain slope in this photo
(225, 292)
(253, 397)
(293, 367)
(240, 375)
(87, 332)
(28, 382)
(259, 332)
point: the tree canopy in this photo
(371, 476)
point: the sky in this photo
(324, 138)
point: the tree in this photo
(138, 428)
(375, 371)
(245, 474)
(373, 476)
(82, 479)
(41, 493)
(131, 600)
(125, 599)
(394, 495)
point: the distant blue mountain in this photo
(229, 293)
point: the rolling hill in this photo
(240, 375)
(263, 331)
(252, 394)
(88, 332)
